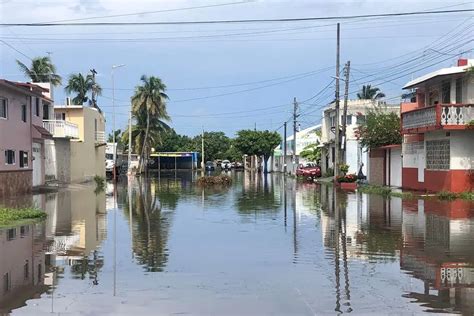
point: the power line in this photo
(320, 18)
(15, 49)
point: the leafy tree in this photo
(172, 142)
(118, 138)
(216, 145)
(233, 153)
(312, 152)
(41, 70)
(380, 129)
(81, 85)
(260, 143)
(370, 93)
(150, 99)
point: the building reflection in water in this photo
(431, 239)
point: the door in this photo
(421, 163)
(37, 170)
(395, 167)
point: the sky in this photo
(233, 76)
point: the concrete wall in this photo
(377, 167)
(395, 167)
(63, 160)
(50, 172)
(15, 182)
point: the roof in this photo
(437, 73)
(27, 87)
(45, 134)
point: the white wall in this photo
(395, 167)
(50, 169)
(462, 150)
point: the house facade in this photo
(437, 128)
(356, 156)
(23, 106)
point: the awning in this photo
(41, 132)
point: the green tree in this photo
(150, 98)
(216, 145)
(118, 138)
(233, 153)
(260, 143)
(370, 93)
(312, 152)
(173, 142)
(41, 70)
(81, 85)
(380, 129)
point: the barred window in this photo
(438, 154)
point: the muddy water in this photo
(269, 246)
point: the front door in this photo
(421, 163)
(37, 172)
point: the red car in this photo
(308, 171)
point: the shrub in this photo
(10, 215)
(348, 178)
(466, 195)
(215, 180)
(99, 184)
(344, 168)
(445, 195)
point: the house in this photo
(356, 156)
(79, 135)
(437, 128)
(305, 137)
(23, 106)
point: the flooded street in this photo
(262, 246)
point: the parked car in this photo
(308, 171)
(210, 166)
(238, 165)
(225, 164)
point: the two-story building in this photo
(356, 155)
(23, 106)
(438, 130)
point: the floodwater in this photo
(264, 246)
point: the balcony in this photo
(438, 117)
(61, 128)
(99, 138)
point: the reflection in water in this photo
(265, 245)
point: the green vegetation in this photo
(369, 93)
(380, 129)
(215, 180)
(81, 85)
(312, 152)
(450, 196)
(41, 70)
(329, 173)
(471, 123)
(9, 216)
(260, 143)
(344, 168)
(385, 192)
(99, 184)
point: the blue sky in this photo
(195, 61)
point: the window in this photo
(9, 157)
(438, 154)
(40, 272)
(348, 119)
(11, 234)
(24, 230)
(360, 119)
(6, 282)
(37, 106)
(3, 108)
(23, 112)
(26, 270)
(333, 121)
(459, 90)
(60, 116)
(23, 159)
(446, 92)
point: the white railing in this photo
(61, 128)
(419, 118)
(100, 137)
(457, 114)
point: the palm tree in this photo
(369, 93)
(150, 97)
(41, 70)
(81, 85)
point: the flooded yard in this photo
(263, 246)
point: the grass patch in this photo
(446, 196)
(466, 196)
(9, 216)
(385, 192)
(215, 180)
(99, 184)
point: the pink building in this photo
(23, 106)
(438, 130)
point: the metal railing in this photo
(61, 128)
(100, 137)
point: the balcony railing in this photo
(100, 137)
(61, 128)
(440, 116)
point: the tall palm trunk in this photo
(145, 140)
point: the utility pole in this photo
(284, 148)
(130, 141)
(337, 141)
(94, 88)
(113, 122)
(347, 69)
(202, 150)
(295, 116)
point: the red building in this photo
(438, 130)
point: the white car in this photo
(226, 164)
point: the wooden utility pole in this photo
(284, 148)
(202, 150)
(337, 140)
(347, 69)
(295, 116)
(94, 88)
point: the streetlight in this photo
(113, 121)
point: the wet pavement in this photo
(264, 246)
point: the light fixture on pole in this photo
(113, 121)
